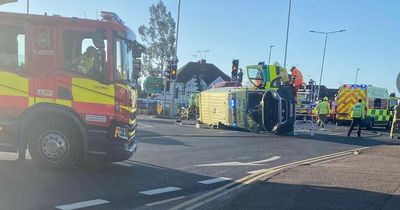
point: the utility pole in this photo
(358, 69)
(269, 57)
(172, 112)
(27, 7)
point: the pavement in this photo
(174, 164)
(369, 180)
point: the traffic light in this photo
(167, 71)
(235, 67)
(173, 71)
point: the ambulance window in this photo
(256, 77)
(380, 103)
(12, 48)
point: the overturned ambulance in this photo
(270, 108)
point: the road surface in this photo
(173, 164)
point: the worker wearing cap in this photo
(323, 109)
(395, 123)
(357, 115)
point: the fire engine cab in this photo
(68, 88)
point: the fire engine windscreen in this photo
(123, 65)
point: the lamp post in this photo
(358, 69)
(287, 33)
(270, 50)
(323, 56)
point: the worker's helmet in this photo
(325, 98)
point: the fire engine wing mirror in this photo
(138, 49)
(98, 38)
(137, 68)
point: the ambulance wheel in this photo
(370, 124)
(54, 144)
(389, 125)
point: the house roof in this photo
(209, 71)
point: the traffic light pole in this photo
(165, 98)
(172, 108)
(172, 112)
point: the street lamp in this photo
(287, 33)
(323, 56)
(269, 57)
(358, 69)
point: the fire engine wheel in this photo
(54, 144)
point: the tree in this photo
(159, 38)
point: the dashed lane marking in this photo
(215, 180)
(160, 190)
(165, 201)
(83, 204)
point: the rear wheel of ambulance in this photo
(370, 124)
(54, 143)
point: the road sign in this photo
(153, 85)
(398, 82)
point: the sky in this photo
(244, 30)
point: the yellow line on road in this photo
(214, 194)
(165, 201)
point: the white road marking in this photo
(190, 134)
(228, 132)
(155, 137)
(160, 190)
(83, 204)
(267, 160)
(336, 134)
(144, 125)
(215, 180)
(165, 201)
(237, 163)
(233, 163)
(124, 164)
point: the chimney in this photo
(203, 61)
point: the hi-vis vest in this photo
(357, 111)
(323, 107)
(274, 72)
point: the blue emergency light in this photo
(232, 102)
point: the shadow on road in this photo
(24, 186)
(148, 137)
(369, 140)
(267, 195)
